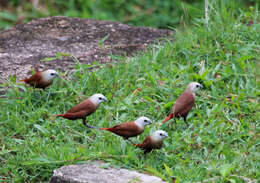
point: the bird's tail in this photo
(138, 145)
(26, 80)
(56, 115)
(105, 129)
(168, 118)
(60, 115)
(66, 115)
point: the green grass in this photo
(153, 13)
(221, 142)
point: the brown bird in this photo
(155, 141)
(185, 102)
(41, 79)
(130, 129)
(84, 109)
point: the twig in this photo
(238, 176)
(210, 179)
(15, 98)
(90, 126)
(207, 11)
(245, 178)
(202, 69)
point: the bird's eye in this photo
(52, 74)
(197, 86)
(145, 120)
(100, 98)
(160, 134)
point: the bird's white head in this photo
(143, 121)
(49, 75)
(97, 98)
(159, 135)
(194, 87)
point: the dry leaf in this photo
(218, 76)
(161, 83)
(202, 69)
(173, 179)
(137, 91)
(253, 100)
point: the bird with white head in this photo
(41, 79)
(185, 102)
(84, 109)
(131, 128)
(154, 141)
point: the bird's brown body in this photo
(126, 130)
(149, 144)
(80, 111)
(131, 128)
(37, 81)
(154, 141)
(185, 102)
(182, 106)
(41, 79)
(84, 109)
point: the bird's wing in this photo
(34, 79)
(184, 103)
(146, 143)
(128, 126)
(86, 106)
(128, 129)
(74, 115)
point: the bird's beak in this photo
(201, 86)
(57, 74)
(105, 99)
(166, 135)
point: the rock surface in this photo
(26, 45)
(95, 172)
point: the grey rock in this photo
(95, 172)
(26, 45)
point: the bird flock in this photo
(181, 108)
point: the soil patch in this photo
(26, 45)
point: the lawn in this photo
(219, 143)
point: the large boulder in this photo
(98, 172)
(26, 45)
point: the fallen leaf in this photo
(173, 179)
(253, 100)
(161, 83)
(218, 76)
(137, 91)
(202, 70)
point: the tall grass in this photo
(154, 13)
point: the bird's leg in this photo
(185, 120)
(88, 125)
(84, 121)
(188, 125)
